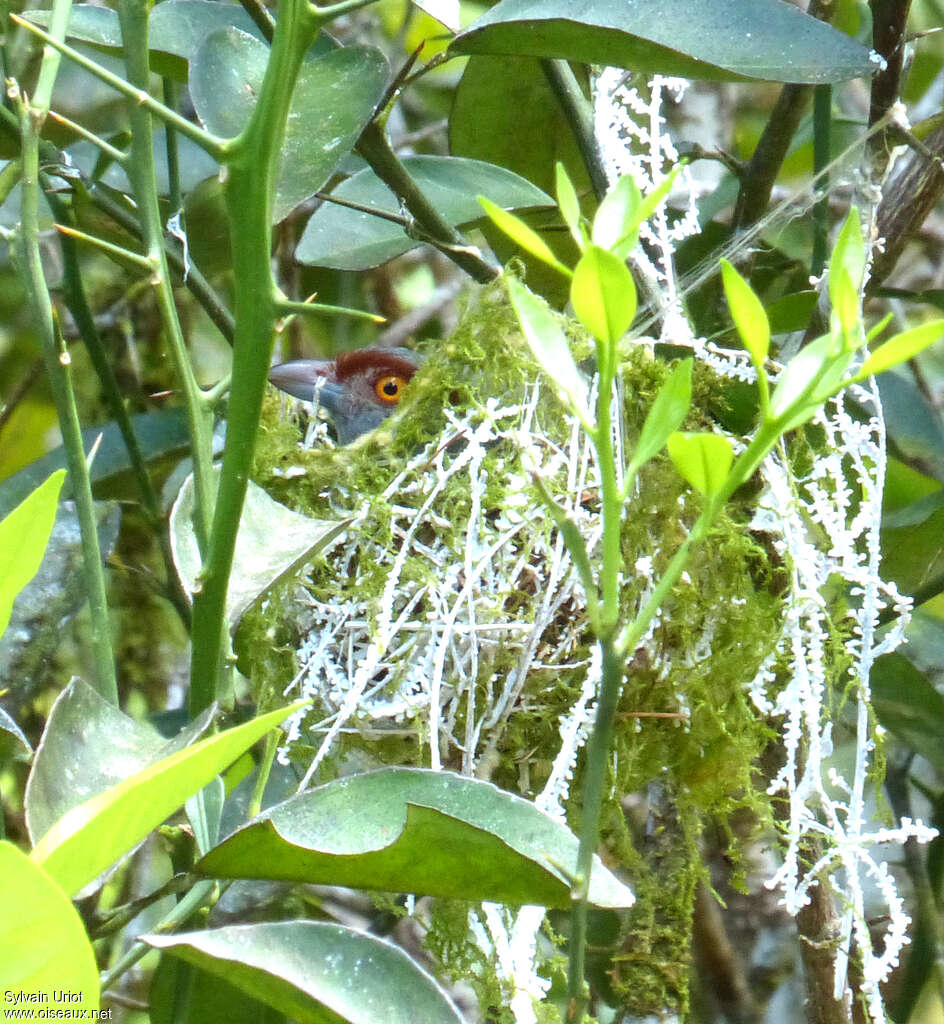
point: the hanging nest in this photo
(450, 609)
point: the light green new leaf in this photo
(616, 218)
(569, 203)
(522, 235)
(901, 348)
(845, 302)
(91, 837)
(24, 534)
(801, 373)
(748, 314)
(848, 255)
(603, 294)
(703, 459)
(549, 345)
(650, 203)
(43, 943)
(666, 415)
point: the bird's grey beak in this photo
(311, 380)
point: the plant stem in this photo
(598, 748)
(822, 117)
(133, 15)
(56, 359)
(375, 148)
(252, 164)
(579, 113)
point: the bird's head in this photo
(358, 389)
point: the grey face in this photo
(358, 390)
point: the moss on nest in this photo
(705, 647)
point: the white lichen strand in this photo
(840, 496)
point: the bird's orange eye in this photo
(390, 387)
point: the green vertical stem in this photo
(173, 157)
(822, 129)
(251, 167)
(598, 748)
(73, 292)
(133, 15)
(56, 359)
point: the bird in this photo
(358, 389)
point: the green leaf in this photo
(666, 415)
(913, 423)
(13, 744)
(53, 596)
(569, 203)
(176, 29)
(907, 704)
(901, 348)
(703, 460)
(411, 830)
(159, 434)
(94, 835)
(43, 944)
(713, 39)
(272, 543)
(546, 338)
(801, 373)
(845, 301)
(24, 534)
(603, 294)
(522, 235)
(615, 220)
(87, 747)
(748, 314)
(335, 96)
(347, 239)
(315, 972)
(209, 997)
(848, 256)
(504, 112)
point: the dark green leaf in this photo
(409, 830)
(714, 39)
(175, 30)
(182, 993)
(333, 100)
(504, 112)
(347, 239)
(159, 434)
(315, 972)
(909, 706)
(12, 741)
